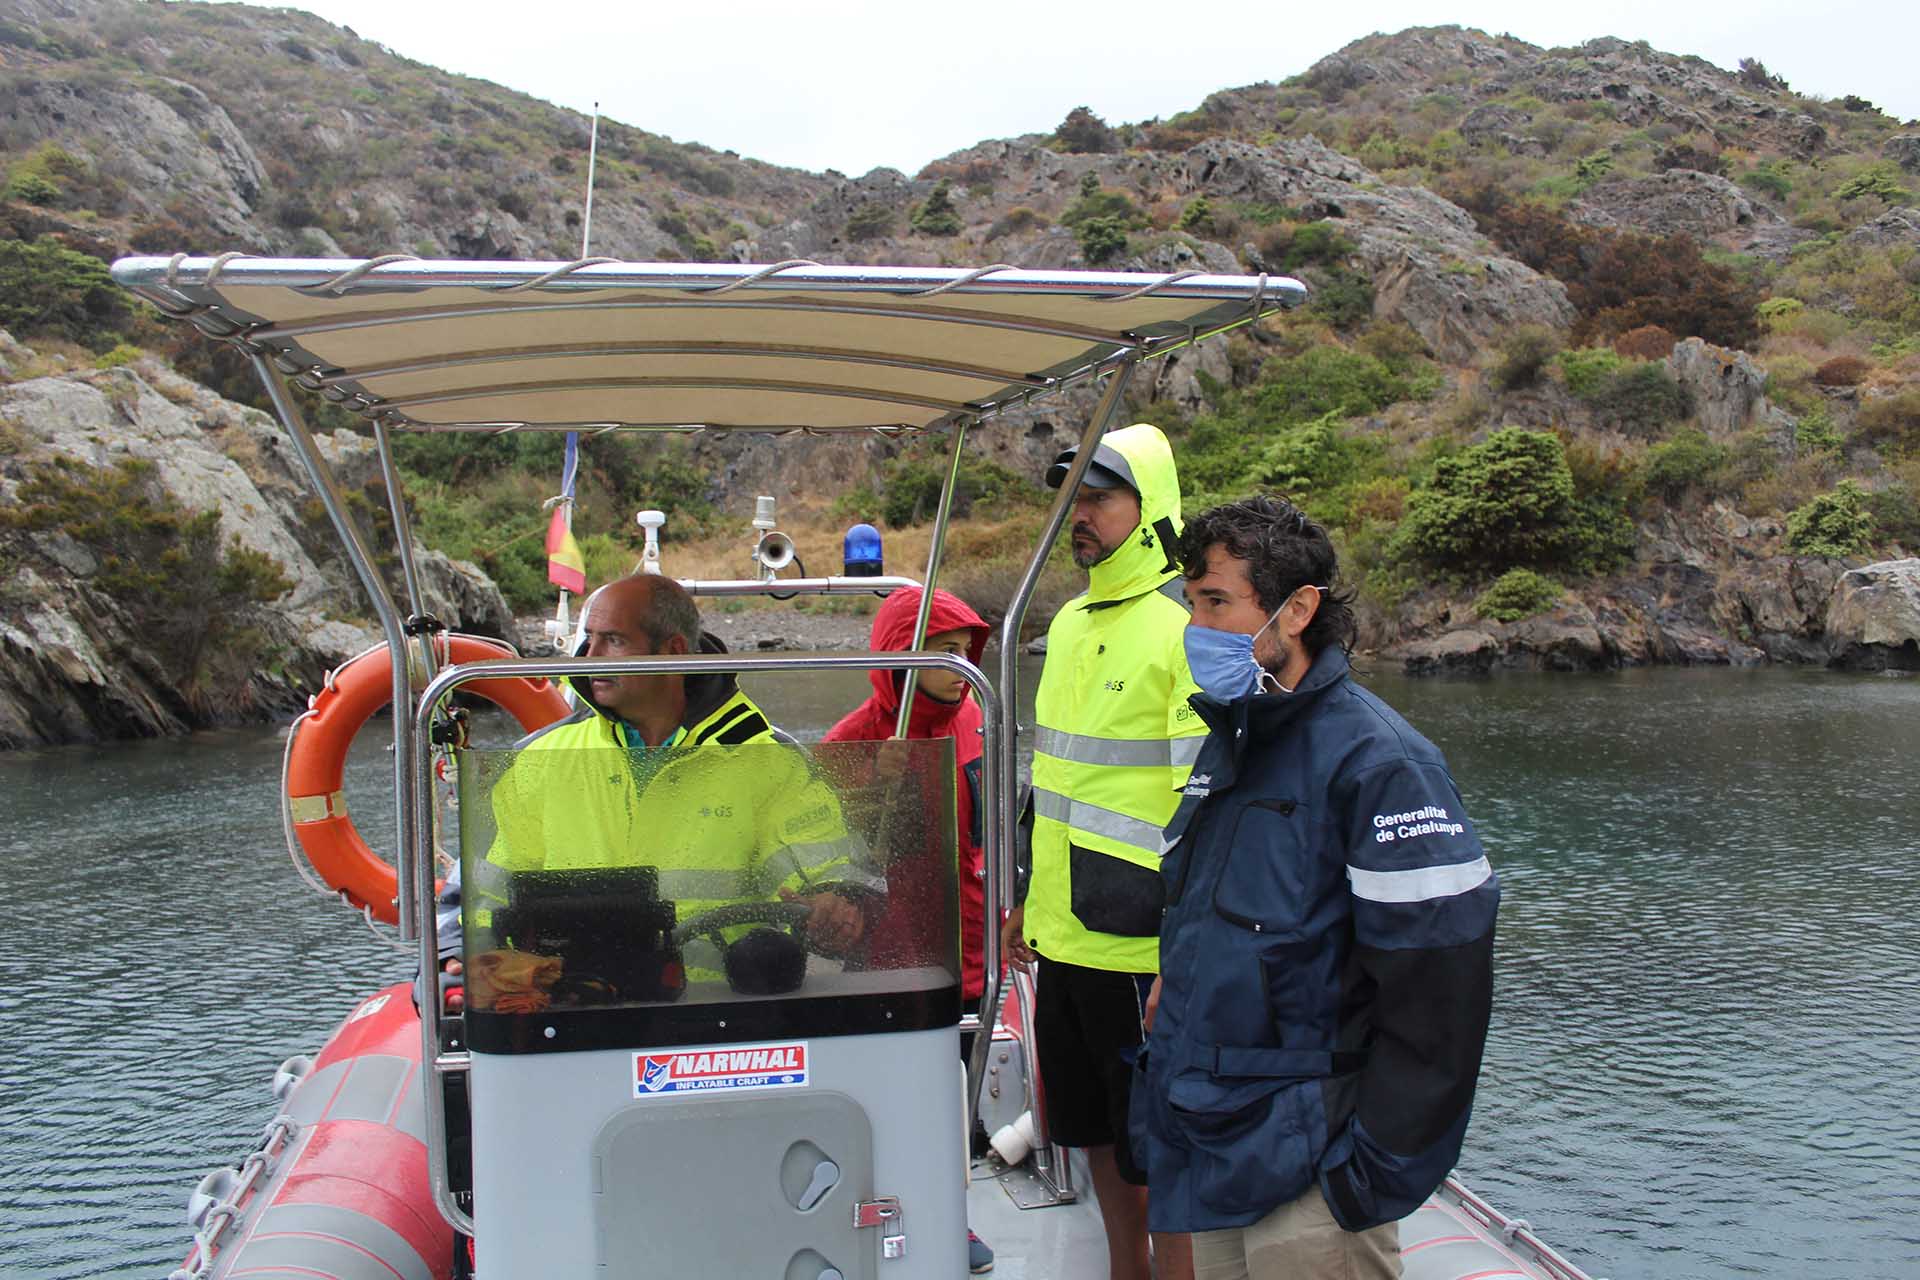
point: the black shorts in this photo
(1086, 1022)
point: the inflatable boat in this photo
(652, 1076)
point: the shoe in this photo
(979, 1257)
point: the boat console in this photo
(729, 979)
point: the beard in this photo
(1088, 556)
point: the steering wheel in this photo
(738, 913)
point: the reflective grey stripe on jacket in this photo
(1081, 816)
(1130, 753)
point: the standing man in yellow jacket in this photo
(1113, 744)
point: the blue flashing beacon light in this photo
(861, 553)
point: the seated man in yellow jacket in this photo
(681, 773)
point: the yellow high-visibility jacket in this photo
(728, 812)
(1115, 737)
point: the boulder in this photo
(1431, 268)
(1873, 617)
(1904, 150)
(1728, 390)
(1893, 229)
(1677, 202)
(1464, 652)
(461, 595)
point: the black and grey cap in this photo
(1108, 470)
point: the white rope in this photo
(962, 281)
(1150, 287)
(762, 274)
(555, 274)
(351, 275)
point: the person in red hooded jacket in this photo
(942, 708)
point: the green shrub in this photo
(47, 289)
(32, 188)
(1896, 515)
(910, 486)
(1083, 131)
(1101, 238)
(188, 597)
(1639, 399)
(1327, 379)
(1685, 464)
(936, 215)
(1524, 353)
(1882, 180)
(1585, 368)
(1769, 178)
(123, 354)
(1813, 432)
(1777, 311)
(1509, 502)
(870, 222)
(1342, 297)
(1833, 524)
(1517, 594)
(1097, 201)
(1197, 216)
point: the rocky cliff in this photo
(83, 660)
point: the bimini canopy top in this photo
(486, 346)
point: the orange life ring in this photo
(317, 757)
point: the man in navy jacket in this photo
(1326, 957)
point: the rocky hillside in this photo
(1614, 355)
(124, 615)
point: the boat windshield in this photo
(677, 883)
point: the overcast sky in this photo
(862, 83)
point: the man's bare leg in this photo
(1172, 1256)
(1123, 1211)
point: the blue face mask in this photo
(1222, 661)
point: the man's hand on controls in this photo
(1013, 939)
(836, 924)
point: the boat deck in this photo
(1059, 1242)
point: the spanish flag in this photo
(566, 567)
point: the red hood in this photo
(893, 632)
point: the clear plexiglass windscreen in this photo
(599, 876)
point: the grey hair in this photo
(672, 613)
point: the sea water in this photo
(1705, 1053)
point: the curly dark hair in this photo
(1285, 549)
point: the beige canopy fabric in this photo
(558, 346)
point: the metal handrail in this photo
(781, 587)
(934, 548)
(419, 764)
(361, 557)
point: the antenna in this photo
(593, 156)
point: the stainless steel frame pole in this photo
(419, 762)
(361, 556)
(1000, 874)
(403, 544)
(912, 678)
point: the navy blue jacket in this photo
(1326, 966)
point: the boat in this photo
(641, 1106)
